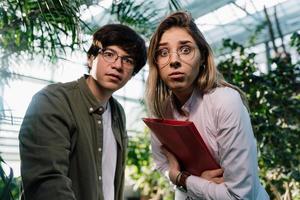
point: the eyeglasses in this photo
(111, 56)
(163, 56)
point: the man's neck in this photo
(101, 94)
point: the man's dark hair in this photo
(124, 37)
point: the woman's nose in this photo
(175, 64)
(173, 56)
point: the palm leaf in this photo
(33, 26)
(5, 182)
(144, 16)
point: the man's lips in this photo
(114, 76)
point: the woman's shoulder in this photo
(224, 97)
(224, 94)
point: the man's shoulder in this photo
(59, 88)
(57, 92)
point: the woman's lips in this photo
(176, 75)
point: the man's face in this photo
(112, 68)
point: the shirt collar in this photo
(187, 107)
(93, 106)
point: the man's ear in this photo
(90, 61)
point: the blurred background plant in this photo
(143, 177)
(9, 185)
(274, 107)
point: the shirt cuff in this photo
(196, 185)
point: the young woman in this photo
(184, 84)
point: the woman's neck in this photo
(180, 99)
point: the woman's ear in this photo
(202, 60)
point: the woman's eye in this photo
(185, 50)
(163, 52)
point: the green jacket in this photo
(61, 144)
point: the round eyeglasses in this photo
(163, 55)
(111, 56)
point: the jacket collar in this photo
(94, 106)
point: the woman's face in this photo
(178, 60)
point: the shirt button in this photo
(91, 109)
(100, 178)
(101, 109)
(99, 122)
(99, 149)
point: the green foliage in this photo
(141, 16)
(140, 168)
(295, 41)
(9, 186)
(46, 26)
(275, 110)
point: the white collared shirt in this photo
(109, 156)
(224, 124)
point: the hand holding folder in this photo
(183, 140)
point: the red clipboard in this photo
(185, 142)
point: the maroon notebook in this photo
(184, 141)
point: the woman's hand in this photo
(174, 168)
(215, 175)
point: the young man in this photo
(73, 138)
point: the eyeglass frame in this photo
(193, 48)
(101, 51)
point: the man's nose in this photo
(118, 63)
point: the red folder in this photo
(185, 142)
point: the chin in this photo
(178, 86)
(113, 86)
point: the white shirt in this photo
(224, 124)
(109, 156)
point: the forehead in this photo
(175, 35)
(117, 49)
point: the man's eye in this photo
(108, 54)
(163, 53)
(127, 60)
(185, 50)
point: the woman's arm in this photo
(161, 163)
(238, 156)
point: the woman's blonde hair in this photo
(209, 77)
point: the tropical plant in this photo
(141, 16)
(9, 186)
(38, 27)
(140, 168)
(275, 108)
(29, 28)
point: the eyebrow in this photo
(127, 55)
(181, 42)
